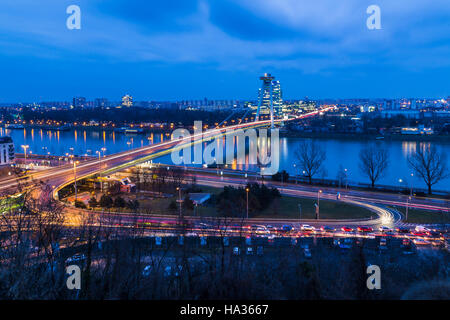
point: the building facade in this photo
(270, 86)
(6, 151)
(127, 100)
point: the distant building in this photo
(79, 102)
(270, 86)
(127, 100)
(101, 102)
(6, 151)
(416, 131)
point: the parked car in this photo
(383, 244)
(402, 230)
(384, 229)
(421, 229)
(327, 229)
(364, 229)
(307, 227)
(287, 228)
(307, 253)
(347, 229)
(345, 243)
(76, 258)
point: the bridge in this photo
(59, 177)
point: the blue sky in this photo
(191, 49)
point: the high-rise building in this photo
(101, 102)
(6, 151)
(271, 88)
(79, 102)
(127, 100)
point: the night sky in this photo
(188, 49)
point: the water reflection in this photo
(343, 153)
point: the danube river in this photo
(339, 153)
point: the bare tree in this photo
(373, 162)
(429, 164)
(310, 157)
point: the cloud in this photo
(310, 36)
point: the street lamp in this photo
(247, 191)
(75, 175)
(346, 178)
(25, 147)
(407, 204)
(318, 203)
(295, 173)
(179, 198)
(411, 189)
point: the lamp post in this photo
(346, 178)
(295, 173)
(179, 198)
(103, 150)
(411, 190)
(407, 204)
(247, 190)
(25, 147)
(75, 175)
(100, 165)
(318, 204)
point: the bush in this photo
(106, 201)
(80, 204)
(93, 202)
(119, 202)
(173, 205)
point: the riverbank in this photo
(362, 136)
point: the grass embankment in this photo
(284, 207)
(425, 216)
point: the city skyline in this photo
(183, 50)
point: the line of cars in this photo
(420, 234)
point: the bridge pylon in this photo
(267, 86)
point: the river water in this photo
(339, 153)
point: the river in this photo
(339, 152)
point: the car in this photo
(260, 250)
(307, 227)
(261, 230)
(383, 243)
(406, 243)
(434, 234)
(421, 229)
(271, 228)
(327, 229)
(307, 253)
(418, 234)
(75, 258)
(402, 230)
(384, 229)
(421, 242)
(236, 251)
(249, 250)
(147, 270)
(287, 228)
(364, 229)
(345, 243)
(347, 229)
